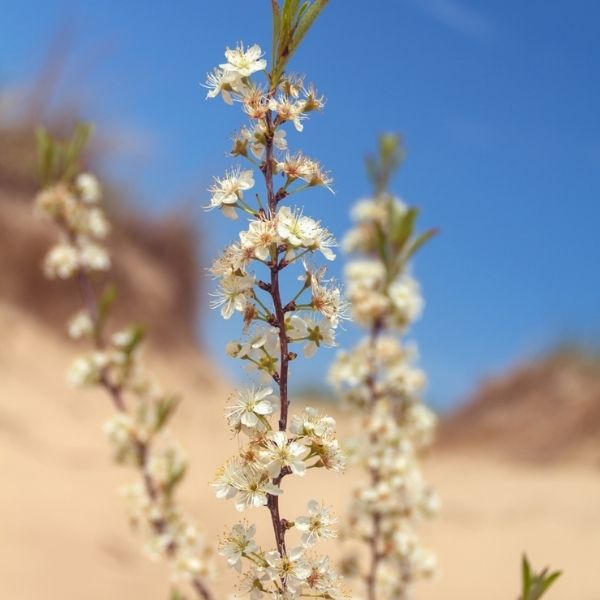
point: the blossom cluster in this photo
(249, 275)
(137, 432)
(77, 209)
(382, 386)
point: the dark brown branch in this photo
(278, 321)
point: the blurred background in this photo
(498, 106)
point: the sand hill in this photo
(545, 410)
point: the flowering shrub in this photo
(138, 431)
(251, 273)
(383, 387)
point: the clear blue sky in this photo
(499, 103)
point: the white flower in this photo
(313, 423)
(324, 241)
(120, 430)
(295, 327)
(256, 139)
(224, 83)
(86, 370)
(365, 274)
(122, 339)
(262, 347)
(406, 298)
(88, 187)
(253, 488)
(289, 568)
(252, 585)
(250, 485)
(330, 454)
(295, 228)
(55, 200)
(291, 85)
(185, 564)
(280, 453)
(316, 333)
(316, 176)
(233, 258)
(299, 166)
(366, 290)
(192, 556)
(167, 464)
(233, 294)
(406, 379)
(312, 100)
(238, 543)
(249, 407)
(62, 261)
(97, 223)
(369, 210)
(263, 337)
(288, 110)
(327, 299)
(94, 257)
(324, 580)
(229, 190)
(317, 525)
(80, 326)
(296, 166)
(244, 62)
(260, 237)
(225, 480)
(254, 98)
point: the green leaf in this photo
(550, 579)
(404, 227)
(75, 146)
(109, 295)
(138, 333)
(276, 29)
(307, 21)
(45, 148)
(165, 409)
(381, 244)
(535, 585)
(302, 10)
(58, 160)
(526, 577)
(382, 167)
(418, 242)
(176, 470)
(176, 595)
(291, 23)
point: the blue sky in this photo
(499, 105)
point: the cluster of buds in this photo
(383, 387)
(137, 433)
(278, 238)
(83, 226)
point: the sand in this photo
(64, 534)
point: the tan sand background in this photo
(64, 534)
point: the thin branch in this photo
(115, 393)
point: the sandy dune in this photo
(63, 533)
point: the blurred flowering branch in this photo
(382, 387)
(71, 199)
